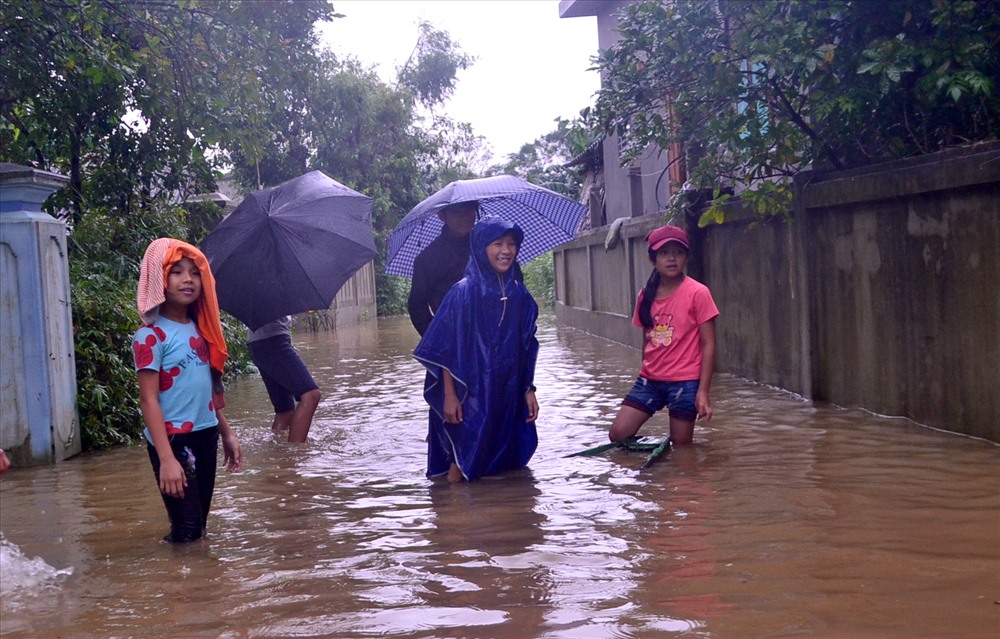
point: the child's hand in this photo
(704, 406)
(452, 409)
(532, 403)
(172, 478)
(232, 454)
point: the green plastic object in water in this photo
(656, 446)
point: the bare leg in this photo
(627, 423)
(281, 422)
(298, 429)
(681, 431)
(455, 474)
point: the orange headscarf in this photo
(160, 257)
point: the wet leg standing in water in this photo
(290, 386)
(677, 315)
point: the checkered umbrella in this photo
(547, 218)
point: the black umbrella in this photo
(289, 248)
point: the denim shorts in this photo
(650, 396)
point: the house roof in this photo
(579, 8)
(591, 156)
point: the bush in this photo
(104, 318)
(391, 292)
(539, 277)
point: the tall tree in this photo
(130, 98)
(757, 90)
(543, 161)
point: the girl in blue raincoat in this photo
(480, 351)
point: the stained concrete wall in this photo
(882, 293)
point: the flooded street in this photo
(785, 519)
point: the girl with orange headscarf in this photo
(179, 354)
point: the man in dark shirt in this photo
(441, 264)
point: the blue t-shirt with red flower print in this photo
(180, 354)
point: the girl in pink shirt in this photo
(677, 315)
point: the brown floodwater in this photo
(785, 519)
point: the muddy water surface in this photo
(785, 519)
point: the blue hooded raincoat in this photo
(484, 335)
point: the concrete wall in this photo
(355, 303)
(904, 279)
(883, 293)
(596, 286)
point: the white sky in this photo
(531, 65)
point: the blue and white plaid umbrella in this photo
(547, 218)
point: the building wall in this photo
(883, 292)
(354, 303)
(645, 179)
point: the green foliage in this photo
(539, 278)
(754, 91)
(104, 318)
(239, 363)
(542, 162)
(391, 295)
(432, 70)
(201, 218)
(129, 99)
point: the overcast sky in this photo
(531, 66)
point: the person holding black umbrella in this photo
(441, 264)
(284, 250)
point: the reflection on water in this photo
(784, 519)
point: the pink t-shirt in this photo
(671, 350)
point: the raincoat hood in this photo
(487, 230)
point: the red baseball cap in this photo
(658, 237)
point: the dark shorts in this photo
(284, 373)
(678, 398)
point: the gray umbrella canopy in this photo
(289, 248)
(547, 218)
